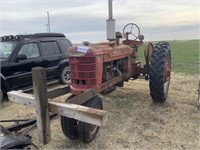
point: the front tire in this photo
(69, 126)
(160, 72)
(87, 132)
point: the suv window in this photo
(30, 50)
(64, 44)
(6, 49)
(50, 48)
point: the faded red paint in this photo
(86, 68)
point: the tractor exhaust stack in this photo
(110, 23)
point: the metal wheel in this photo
(128, 30)
(65, 75)
(148, 53)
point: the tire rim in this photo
(167, 74)
(67, 76)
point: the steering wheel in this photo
(128, 30)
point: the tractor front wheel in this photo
(160, 72)
(87, 132)
(69, 126)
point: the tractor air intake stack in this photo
(110, 23)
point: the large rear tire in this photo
(160, 72)
(69, 126)
(87, 132)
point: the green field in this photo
(185, 56)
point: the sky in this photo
(85, 20)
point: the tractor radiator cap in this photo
(141, 37)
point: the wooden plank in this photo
(58, 92)
(78, 112)
(99, 116)
(42, 110)
(84, 97)
(62, 108)
(22, 98)
(110, 83)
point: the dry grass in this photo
(135, 122)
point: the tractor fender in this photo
(4, 83)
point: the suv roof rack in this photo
(39, 35)
(30, 36)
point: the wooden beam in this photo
(22, 98)
(94, 116)
(58, 92)
(78, 112)
(83, 97)
(109, 83)
(42, 110)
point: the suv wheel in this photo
(65, 75)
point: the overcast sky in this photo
(85, 20)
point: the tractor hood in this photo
(106, 48)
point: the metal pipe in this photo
(110, 23)
(14, 120)
(110, 9)
(25, 124)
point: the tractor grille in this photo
(83, 70)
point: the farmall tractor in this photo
(104, 66)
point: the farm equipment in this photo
(103, 66)
(10, 140)
(97, 69)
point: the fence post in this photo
(42, 110)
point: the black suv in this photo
(20, 53)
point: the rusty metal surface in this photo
(110, 83)
(58, 92)
(83, 97)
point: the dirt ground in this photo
(134, 121)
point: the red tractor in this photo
(104, 66)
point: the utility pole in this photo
(48, 22)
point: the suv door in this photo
(27, 57)
(51, 57)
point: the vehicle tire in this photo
(160, 72)
(65, 75)
(69, 126)
(87, 132)
(1, 95)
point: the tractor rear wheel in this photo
(160, 72)
(87, 132)
(69, 126)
